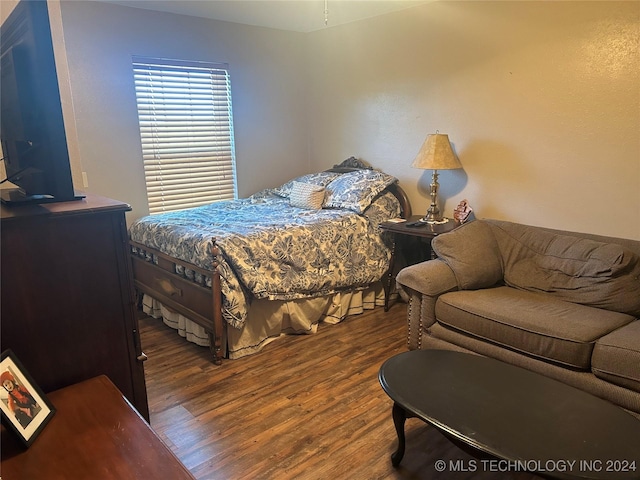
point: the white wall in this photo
(268, 92)
(540, 99)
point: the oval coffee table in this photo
(509, 413)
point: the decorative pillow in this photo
(356, 190)
(472, 253)
(320, 178)
(306, 195)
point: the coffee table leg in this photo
(399, 416)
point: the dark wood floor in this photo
(306, 407)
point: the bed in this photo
(234, 275)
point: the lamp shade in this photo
(436, 154)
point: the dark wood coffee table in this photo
(505, 412)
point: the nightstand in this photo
(410, 245)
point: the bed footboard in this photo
(157, 275)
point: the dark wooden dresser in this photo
(68, 302)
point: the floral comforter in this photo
(272, 250)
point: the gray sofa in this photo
(564, 304)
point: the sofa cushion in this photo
(472, 253)
(579, 270)
(532, 323)
(616, 357)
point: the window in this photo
(186, 127)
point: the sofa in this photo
(563, 304)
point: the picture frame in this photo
(25, 408)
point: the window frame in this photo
(185, 120)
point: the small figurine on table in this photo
(463, 212)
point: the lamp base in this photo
(433, 216)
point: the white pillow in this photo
(319, 178)
(306, 195)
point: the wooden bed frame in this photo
(193, 299)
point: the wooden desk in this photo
(95, 433)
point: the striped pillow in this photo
(306, 195)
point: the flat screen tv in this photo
(34, 143)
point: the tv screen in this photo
(34, 144)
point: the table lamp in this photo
(436, 154)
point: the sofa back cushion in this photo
(578, 270)
(472, 253)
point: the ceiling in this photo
(295, 15)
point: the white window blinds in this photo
(186, 127)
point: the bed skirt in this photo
(267, 320)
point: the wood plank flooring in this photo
(306, 407)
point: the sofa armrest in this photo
(421, 285)
(432, 278)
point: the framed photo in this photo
(25, 409)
